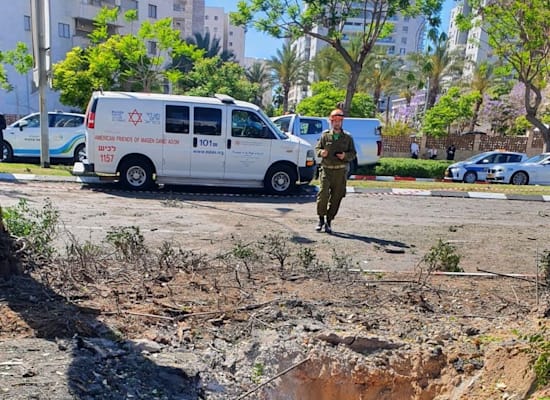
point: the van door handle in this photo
(194, 142)
(228, 144)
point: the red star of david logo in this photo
(135, 117)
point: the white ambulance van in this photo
(145, 139)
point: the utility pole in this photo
(40, 17)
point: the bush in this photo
(408, 167)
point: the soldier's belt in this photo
(334, 166)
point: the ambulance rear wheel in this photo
(136, 174)
(280, 179)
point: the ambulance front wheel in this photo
(136, 174)
(280, 179)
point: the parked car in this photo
(66, 131)
(533, 171)
(476, 167)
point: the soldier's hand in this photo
(324, 153)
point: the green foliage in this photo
(451, 107)
(37, 227)
(416, 168)
(398, 128)
(325, 98)
(442, 257)
(258, 372)
(19, 58)
(281, 19)
(120, 62)
(277, 248)
(127, 241)
(517, 32)
(539, 348)
(307, 257)
(211, 75)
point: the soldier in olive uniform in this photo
(336, 148)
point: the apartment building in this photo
(70, 23)
(472, 44)
(232, 38)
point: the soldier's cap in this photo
(337, 113)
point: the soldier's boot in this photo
(328, 228)
(320, 224)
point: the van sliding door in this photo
(176, 141)
(208, 148)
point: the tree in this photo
(19, 58)
(288, 70)
(210, 76)
(120, 62)
(258, 75)
(211, 46)
(481, 82)
(434, 65)
(452, 107)
(325, 20)
(518, 32)
(326, 97)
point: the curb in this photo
(44, 178)
(350, 189)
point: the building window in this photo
(215, 17)
(206, 17)
(152, 11)
(230, 33)
(402, 51)
(152, 47)
(27, 22)
(230, 44)
(405, 28)
(403, 40)
(63, 30)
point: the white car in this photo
(66, 131)
(533, 171)
(476, 167)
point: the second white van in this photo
(145, 139)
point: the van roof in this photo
(218, 99)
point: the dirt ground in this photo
(233, 295)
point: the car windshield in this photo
(478, 156)
(538, 158)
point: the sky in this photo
(259, 45)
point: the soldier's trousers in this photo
(331, 192)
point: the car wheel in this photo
(8, 152)
(520, 178)
(136, 174)
(470, 177)
(280, 179)
(79, 153)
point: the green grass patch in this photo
(24, 168)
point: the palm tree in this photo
(435, 65)
(211, 46)
(258, 74)
(288, 70)
(328, 65)
(481, 81)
